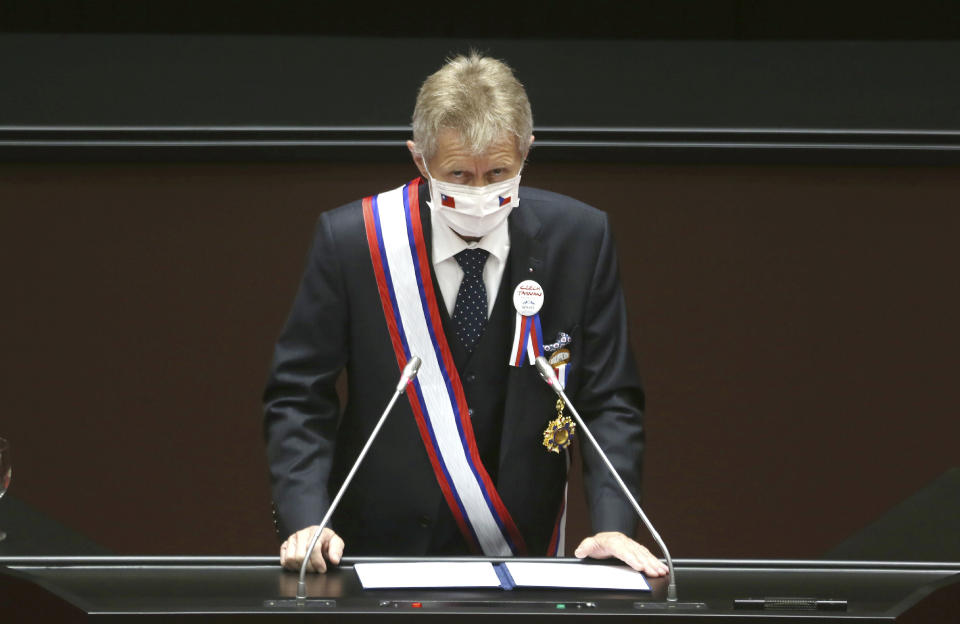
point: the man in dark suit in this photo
(474, 236)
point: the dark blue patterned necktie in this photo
(470, 312)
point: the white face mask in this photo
(473, 211)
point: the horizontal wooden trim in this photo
(385, 143)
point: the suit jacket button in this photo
(424, 521)
(471, 377)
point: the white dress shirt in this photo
(446, 244)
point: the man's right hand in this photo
(329, 548)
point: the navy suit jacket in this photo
(337, 323)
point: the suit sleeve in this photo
(610, 398)
(301, 408)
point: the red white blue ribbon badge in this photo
(528, 335)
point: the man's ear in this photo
(417, 158)
(527, 153)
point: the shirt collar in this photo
(446, 243)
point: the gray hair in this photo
(477, 96)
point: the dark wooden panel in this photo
(796, 329)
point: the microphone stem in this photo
(672, 585)
(302, 584)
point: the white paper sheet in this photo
(427, 574)
(575, 575)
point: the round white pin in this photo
(528, 297)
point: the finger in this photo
(648, 564)
(657, 567)
(283, 554)
(290, 556)
(324, 544)
(335, 549)
(586, 548)
(627, 551)
(651, 565)
(317, 562)
(303, 541)
(601, 546)
(632, 557)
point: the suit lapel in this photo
(526, 249)
(526, 262)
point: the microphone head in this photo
(546, 372)
(409, 372)
(413, 365)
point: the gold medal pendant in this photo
(559, 432)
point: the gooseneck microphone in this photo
(549, 376)
(409, 372)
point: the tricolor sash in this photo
(402, 268)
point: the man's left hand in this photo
(616, 544)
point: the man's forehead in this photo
(451, 146)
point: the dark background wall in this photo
(600, 19)
(796, 328)
(783, 180)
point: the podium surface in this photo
(119, 589)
